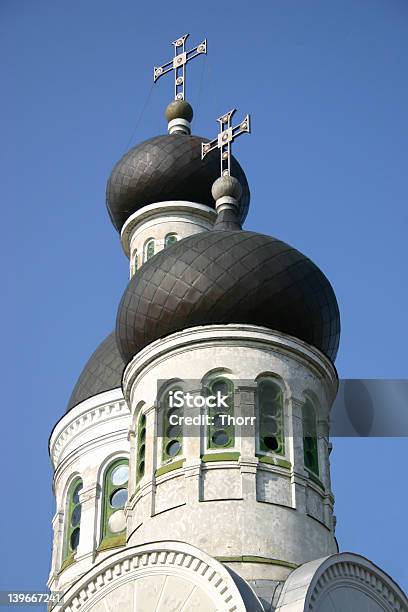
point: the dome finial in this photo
(226, 190)
(179, 113)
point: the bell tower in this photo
(223, 502)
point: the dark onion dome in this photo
(102, 372)
(228, 277)
(166, 168)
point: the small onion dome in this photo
(167, 168)
(179, 109)
(102, 372)
(228, 277)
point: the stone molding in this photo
(213, 335)
(159, 209)
(96, 410)
(173, 558)
(307, 586)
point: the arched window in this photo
(115, 494)
(72, 522)
(221, 430)
(171, 425)
(134, 262)
(310, 451)
(270, 417)
(149, 249)
(141, 447)
(170, 239)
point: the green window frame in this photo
(221, 434)
(170, 239)
(310, 448)
(271, 433)
(149, 248)
(72, 521)
(115, 494)
(172, 434)
(141, 447)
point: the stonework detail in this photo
(314, 504)
(82, 418)
(221, 484)
(164, 576)
(170, 494)
(273, 488)
(345, 582)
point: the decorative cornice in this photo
(306, 588)
(171, 558)
(240, 334)
(160, 209)
(93, 411)
(349, 573)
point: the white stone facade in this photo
(156, 221)
(83, 444)
(281, 517)
(210, 530)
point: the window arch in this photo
(310, 451)
(72, 521)
(270, 416)
(221, 432)
(170, 239)
(134, 262)
(115, 495)
(149, 249)
(172, 435)
(141, 447)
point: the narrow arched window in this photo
(170, 239)
(72, 521)
(115, 494)
(171, 407)
(141, 447)
(149, 249)
(310, 450)
(220, 401)
(134, 262)
(270, 417)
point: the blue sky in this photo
(325, 82)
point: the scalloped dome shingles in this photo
(228, 277)
(102, 372)
(166, 168)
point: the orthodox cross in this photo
(178, 64)
(224, 140)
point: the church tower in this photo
(192, 468)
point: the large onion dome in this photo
(228, 277)
(166, 168)
(102, 372)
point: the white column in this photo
(89, 498)
(58, 537)
(245, 407)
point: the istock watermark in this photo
(181, 399)
(362, 408)
(220, 403)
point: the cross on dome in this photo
(178, 64)
(225, 138)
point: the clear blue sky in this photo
(326, 84)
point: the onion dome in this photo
(102, 372)
(229, 276)
(166, 168)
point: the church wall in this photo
(239, 503)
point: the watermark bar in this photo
(31, 598)
(362, 407)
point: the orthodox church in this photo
(161, 511)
